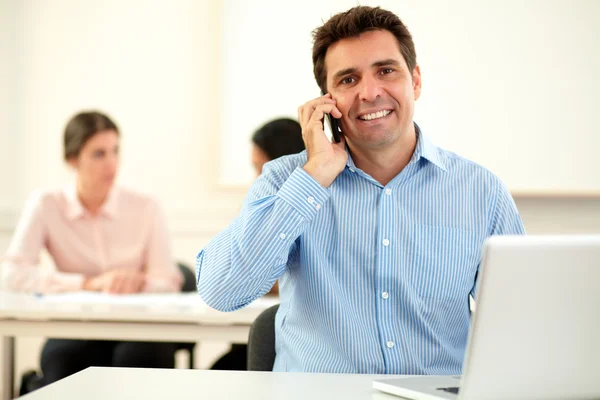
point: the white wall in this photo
(156, 67)
(153, 66)
(8, 71)
(510, 84)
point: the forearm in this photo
(243, 262)
(33, 279)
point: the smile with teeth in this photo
(375, 115)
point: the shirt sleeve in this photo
(162, 274)
(505, 221)
(20, 269)
(243, 262)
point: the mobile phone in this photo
(332, 126)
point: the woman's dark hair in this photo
(279, 137)
(81, 128)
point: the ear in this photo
(416, 78)
(73, 162)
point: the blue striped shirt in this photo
(373, 279)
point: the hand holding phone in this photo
(327, 156)
(332, 126)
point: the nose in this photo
(112, 163)
(369, 89)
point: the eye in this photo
(98, 154)
(348, 80)
(386, 71)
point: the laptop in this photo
(535, 333)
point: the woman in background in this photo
(102, 238)
(275, 139)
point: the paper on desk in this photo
(142, 299)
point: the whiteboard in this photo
(512, 85)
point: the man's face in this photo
(374, 89)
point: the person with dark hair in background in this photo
(376, 240)
(277, 138)
(102, 238)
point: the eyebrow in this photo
(343, 72)
(348, 71)
(382, 63)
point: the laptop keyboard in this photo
(453, 390)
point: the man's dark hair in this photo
(353, 23)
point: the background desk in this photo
(181, 384)
(167, 318)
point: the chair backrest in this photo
(189, 278)
(261, 341)
(189, 285)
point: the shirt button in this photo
(390, 344)
(318, 207)
(310, 199)
(388, 191)
(386, 242)
(385, 295)
(282, 236)
(351, 169)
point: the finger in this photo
(117, 284)
(315, 128)
(108, 286)
(127, 285)
(335, 112)
(321, 110)
(306, 110)
(137, 282)
(131, 284)
(111, 285)
(141, 282)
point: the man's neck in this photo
(386, 163)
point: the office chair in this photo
(261, 341)
(189, 285)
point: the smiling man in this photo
(376, 240)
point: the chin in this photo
(374, 138)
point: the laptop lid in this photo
(535, 332)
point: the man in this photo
(376, 240)
(274, 139)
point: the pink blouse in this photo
(129, 232)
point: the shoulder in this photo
(45, 199)
(464, 168)
(134, 199)
(281, 168)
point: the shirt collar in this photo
(76, 210)
(427, 150)
(424, 149)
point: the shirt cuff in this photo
(304, 193)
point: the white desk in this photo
(167, 318)
(181, 384)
